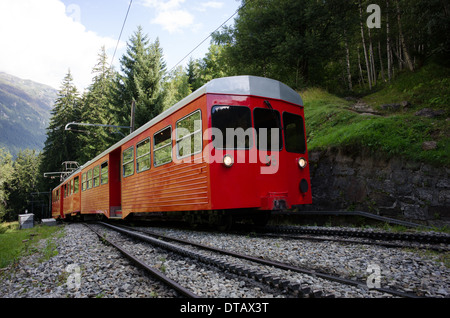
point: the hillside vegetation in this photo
(385, 127)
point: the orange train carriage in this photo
(236, 146)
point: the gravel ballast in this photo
(86, 267)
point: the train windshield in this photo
(267, 127)
(232, 125)
(294, 133)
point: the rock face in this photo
(396, 188)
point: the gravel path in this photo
(85, 267)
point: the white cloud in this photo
(163, 5)
(170, 14)
(41, 40)
(174, 20)
(210, 5)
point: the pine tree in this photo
(176, 87)
(6, 175)
(97, 109)
(143, 69)
(213, 65)
(24, 181)
(61, 145)
(193, 74)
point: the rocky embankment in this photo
(415, 192)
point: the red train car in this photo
(237, 146)
(66, 198)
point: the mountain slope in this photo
(24, 113)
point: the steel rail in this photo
(284, 266)
(386, 236)
(269, 279)
(147, 268)
(358, 213)
(350, 241)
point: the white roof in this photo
(254, 86)
(234, 85)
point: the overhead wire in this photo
(126, 17)
(237, 11)
(120, 35)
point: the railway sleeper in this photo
(384, 236)
(240, 270)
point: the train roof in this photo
(254, 86)
(234, 85)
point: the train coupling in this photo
(275, 201)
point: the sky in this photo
(41, 40)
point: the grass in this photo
(330, 122)
(15, 243)
(428, 87)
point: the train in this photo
(234, 148)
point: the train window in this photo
(267, 123)
(162, 148)
(128, 162)
(71, 187)
(143, 155)
(189, 135)
(294, 133)
(89, 179)
(233, 122)
(83, 182)
(104, 173)
(76, 184)
(96, 176)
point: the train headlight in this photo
(302, 162)
(228, 161)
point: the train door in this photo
(61, 201)
(115, 191)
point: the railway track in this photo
(420, 237)
(428, 241)
(153, 272)
(243, 266)
(274, 285)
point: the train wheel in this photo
(225, 222)
(261, 218)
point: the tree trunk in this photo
(398, 54)
(361, 77)
(381, 61)
(369, 76)
(347, 56)
(372, 60)
(445, 7)
(408, 60)
(388, 43)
